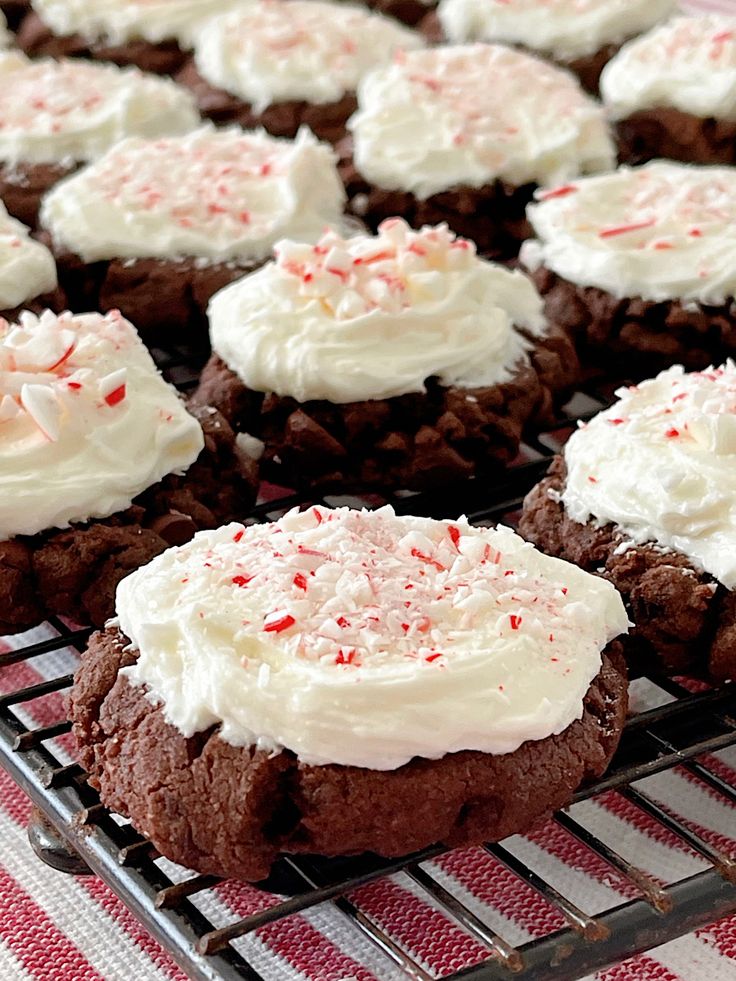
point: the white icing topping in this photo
(6, 38)
(366, 639)
(564, 29)
(687, 64)
(443, 117)
(666, 231)
(120, 21)
(222, 195)
(269, 51)
(56, 111)
(374, 317)
(27, 268)
(86, 421)
(661, 464)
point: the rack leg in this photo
(52, 847)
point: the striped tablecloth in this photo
(56, 928)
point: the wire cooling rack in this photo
(679, 732)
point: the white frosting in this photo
(374, 317)
(120, 21)
(687, 64)
(468, 115)
(564, 29)
(269, 51)
(221, 195)
(27, 268)
(6, 38)
(366, 639)
(666, 231)
(86, 421)
(60, 111)
(661, 464)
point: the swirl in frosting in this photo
(366, 639)
(222, 195)
(666, 231)
(372, 317)
(564, 29)
(86, 421)
(661, 465)
(469, 115)
(27, 268)
(56, 111)
(120, 21)
(687, 64)
(269, 52)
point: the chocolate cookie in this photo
(635, 336)
(38, 40)
(254, 67)
(670, 92)
(327, 121)
(165, 299)
(155, 227)
(463, 134)
(176, 790)
(667, 132)
(636, 265)
(396, 360)
(494, 215)
(411, 441)
(75, 572)
(684, 620)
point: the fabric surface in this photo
(57, 928)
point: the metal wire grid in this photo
(672, 735)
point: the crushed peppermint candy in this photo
(333, 586)
(39, 372)
(392, 271)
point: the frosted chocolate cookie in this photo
(55, 115)
(282, 64)
(356, 681)
(27, 272)
(640, 264)
(396, 360)
(580, 35)
(464, 135)
(155, 227)
(155, 35)
(672, 92)
(101, 466)
(645, 495)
